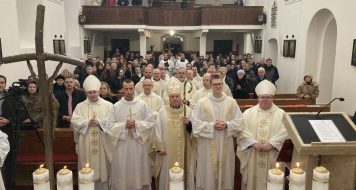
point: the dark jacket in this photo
(62, 97)
(112, 99)
(247, 86)
(272, 73)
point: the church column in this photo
(202, 42)
(248, 45)
(143, 41)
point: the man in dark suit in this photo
(7, 117)
(68, 100)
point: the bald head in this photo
(147, 85)
(206, 80)
(156, 74)
(148, 72)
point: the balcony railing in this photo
(225, 15)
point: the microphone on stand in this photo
(341, 99)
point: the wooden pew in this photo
(296, 108)
(279, 96)
(285, 101)
(31, 153)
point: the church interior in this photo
(301, 37)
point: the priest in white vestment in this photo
(131, 125)
(216, 119)
(4, 149)
(90, 125)
(173, 141)
(202, 92)
(153, 101)
(262, 138)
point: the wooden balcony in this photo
(169, 16)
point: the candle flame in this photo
(87, 165)
(176, 164)
(42, 165)
(297, 164)
(277, 165)
(64, 167)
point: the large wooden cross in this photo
(45, 84)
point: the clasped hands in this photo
(130, 123)
(263, 146)
(220, 125)
(93, 122)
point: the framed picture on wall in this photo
(258, 46)
(291, 49)
(353, 60)
(285, 48)
(62, 47)
(56, 49)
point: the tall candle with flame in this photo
(86, 178)
(297, 178)
(65, 179)
(41, 178)
(275, 178)
(176, 178)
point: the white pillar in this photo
(143, 41)
(248, 46)
(202, 43)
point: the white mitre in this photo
(174, 86)
(265, 87)
(91, 83)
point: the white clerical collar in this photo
(99, 101)
(211, 97)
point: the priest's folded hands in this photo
(263, 147)
(130, 123)
(220, 125)
(93, 122)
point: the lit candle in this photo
(320, 178)
(41, 178)
(176, 178)
(86, 178)
(297, 178)
(275, 178)
(64, 179)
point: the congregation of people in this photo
(174, 108)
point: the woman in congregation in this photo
(105, 93)
(32, 102)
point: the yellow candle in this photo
(86, 169)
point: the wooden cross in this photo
(45, 84)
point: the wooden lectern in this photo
(338, 157)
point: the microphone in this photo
(341, 99)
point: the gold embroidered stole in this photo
(94, 142)
(175, 136)
(263, 123)
(217, 165)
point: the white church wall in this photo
(295, 19)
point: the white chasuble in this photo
(130, 161)
(215, 149)
(263, 126)
(93, 143)
(173, 138)
(153, 101)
